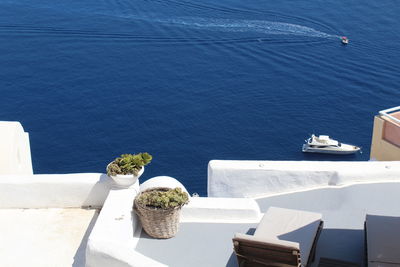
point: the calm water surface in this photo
(190, 81)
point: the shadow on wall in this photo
(80, 255)
(96, 198)
(99, 192)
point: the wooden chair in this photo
(284, 238)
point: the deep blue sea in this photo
(191, 81)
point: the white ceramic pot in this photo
(125, 181)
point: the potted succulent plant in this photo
(125, 170)
(159, 210)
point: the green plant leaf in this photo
(129, 164)
(163, 198)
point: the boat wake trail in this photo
(234, 25)
(254, 31)
(149, 27)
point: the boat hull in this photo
(307, 149)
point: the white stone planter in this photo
(125, 181)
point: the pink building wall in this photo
(391, 130)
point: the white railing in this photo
(386, 112)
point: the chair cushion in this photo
(290, 225)
(383, 239)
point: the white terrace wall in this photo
(116, 233)
(113, 239)
(54, 190)
(227, 178)
(15, 151)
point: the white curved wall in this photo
(228, 178)
(113, 239)
(162, 181)
(15, 153)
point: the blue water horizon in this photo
(190, 81)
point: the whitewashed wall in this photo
(113, 239)
(54, 190)
(15, 152)
(227, 178)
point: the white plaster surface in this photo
(54, 190)
(162, 181)
(44, 237)
(208, 209)
(116, 233)
(15, 152)
(228, 178)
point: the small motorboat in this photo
(324, 144)
(344, 39)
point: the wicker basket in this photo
(158, 223)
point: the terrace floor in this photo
(196, 244)
(44, 237)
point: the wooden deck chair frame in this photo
(259, 254)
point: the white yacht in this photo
(324, 144)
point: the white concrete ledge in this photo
(54, 191)
(15, 151)
(208, 209)
(228, 178)
(114, 238)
